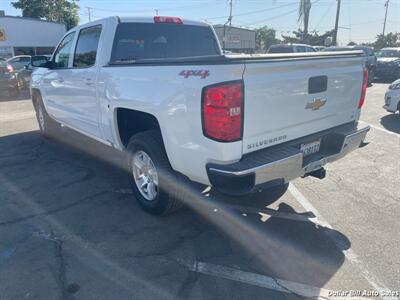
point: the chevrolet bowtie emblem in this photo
(316, 104)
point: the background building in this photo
(237, 39)
(20, 36)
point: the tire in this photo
(47, 126)
(143, 147)
(371, 76)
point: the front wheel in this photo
(47, 126)
(150, 174)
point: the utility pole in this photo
(230, 13)
(384, 22)
(334, 40)
(230, 24)
(156, 10)
(89, 13)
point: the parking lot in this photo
(70, 228)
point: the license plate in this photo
(310, 148)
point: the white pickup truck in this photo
(161, 89)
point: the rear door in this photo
(288, 99)
(80, 82)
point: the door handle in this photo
(89, 81)
(58, 81)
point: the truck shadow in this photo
(391, 122)
(70, 193)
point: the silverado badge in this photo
(316, 104)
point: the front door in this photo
(55, 92)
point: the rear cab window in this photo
(141, 41)
(86, 47)
(281, 49)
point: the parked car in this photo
(19, 62)
(388, 64)
(370, 61)
(161, 90)
(392, 97)
(8, 80)
(24, 74)
(290, 48)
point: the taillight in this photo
(364, 88)
(162, 19)
(10, 68)
(222, 111)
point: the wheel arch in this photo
(35, 94)
(130, 122)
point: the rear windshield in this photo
(138, 41)
(388, 53)
(281, 49)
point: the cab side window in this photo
(63, 52)
(86, 47)
(310, 49)
(300, 49)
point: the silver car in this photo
(392, 97)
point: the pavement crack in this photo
(61, 274)
(187, 285)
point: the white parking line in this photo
(381, 129)
(276, 284)
(349, 253)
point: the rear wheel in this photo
(150, 174)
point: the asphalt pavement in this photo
(70, 228)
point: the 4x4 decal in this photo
(199, 73)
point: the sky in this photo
(360, 20)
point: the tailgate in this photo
(288, 99)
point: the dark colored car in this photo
(19, 62)
(388, 65)
(370, 62)
(24, 74)
(8, 80)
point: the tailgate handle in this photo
(317, 84)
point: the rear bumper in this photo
(282, 163)
(387, 72)
(8, 81)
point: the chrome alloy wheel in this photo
(145, 175)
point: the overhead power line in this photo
(272, 18)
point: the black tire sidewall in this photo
(160, 204)
(50, 126)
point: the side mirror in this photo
(39, 61)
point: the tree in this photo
(388, 40)
(313, 38)
(304, 16)
(64, 11)
(265, 37)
